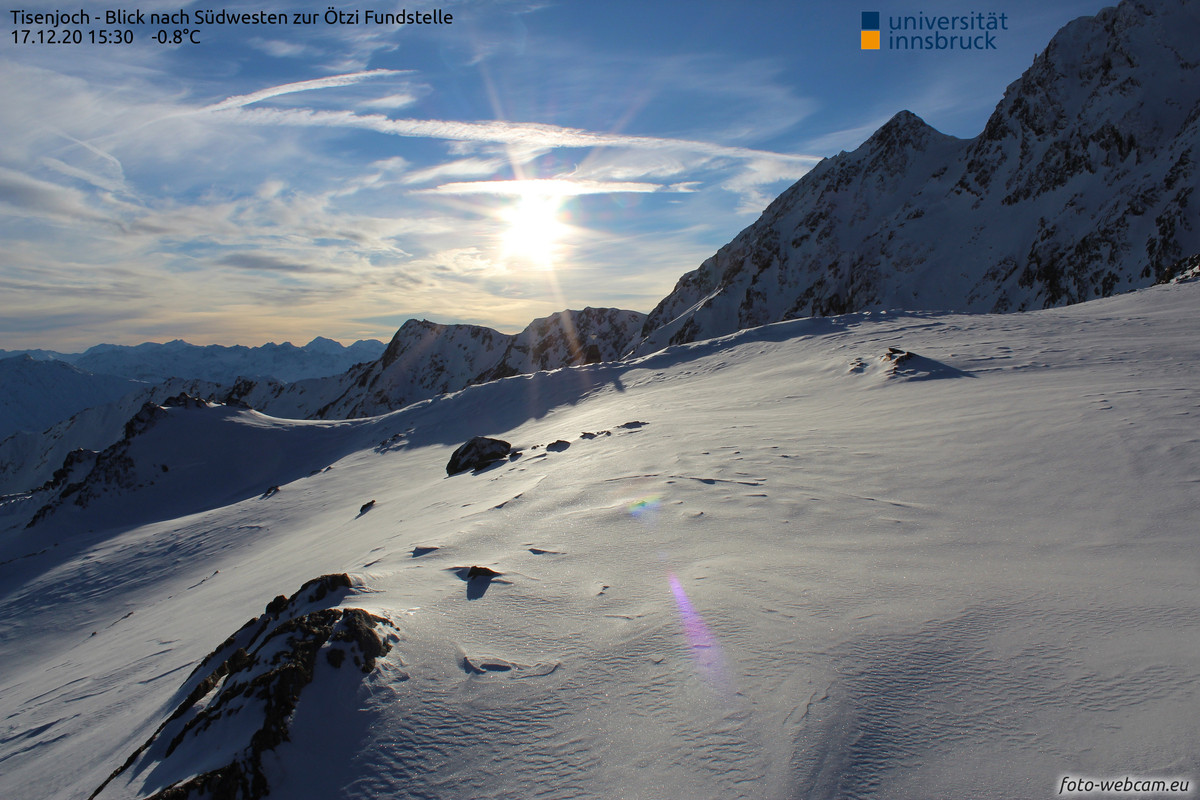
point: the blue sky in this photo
(279, 183)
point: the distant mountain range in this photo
(38, 388)
(155, 362)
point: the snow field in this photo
(813, 571)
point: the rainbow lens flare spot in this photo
(644, 506)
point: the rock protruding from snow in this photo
(238, 703)
(1081, 185)
(1185, 269)
(185, 400)
(476, 454)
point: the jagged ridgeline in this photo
(425, 359)
(1080, 186)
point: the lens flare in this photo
(705, 650)
(644, 507)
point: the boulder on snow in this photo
(478, 579)
(477, 454)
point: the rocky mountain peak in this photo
(1078, 187)
(426, 358)
(904, 131)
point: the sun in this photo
(534, 230)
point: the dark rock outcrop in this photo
(476, 454)
(249, 688)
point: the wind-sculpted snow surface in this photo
(901, 555)
(1080, 186)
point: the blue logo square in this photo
(870, 20)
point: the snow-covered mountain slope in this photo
(27, 459)
(425, 359)
(178, 359)
(187, 464)
(35, 394)
(900, 555)
(40, 355)
(41, 390)
(1079, 186)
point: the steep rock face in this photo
(1186, 269)
(425, 359)
(568, 338)
(1079, 186)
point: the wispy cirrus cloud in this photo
(397, 100)
(550, 187)
(31, 197)
(332, 81)
(497, 131)
(458, 168)
(185, 209)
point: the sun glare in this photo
(534, 230)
